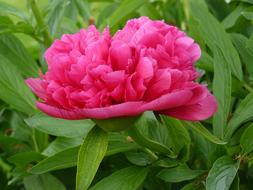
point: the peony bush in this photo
(126, 95)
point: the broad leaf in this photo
(90, 155)
(43, 182)
(222, 174)
(199, 129)
(215, 35)
(60, 127)
(125, 8)
(222, 85)
(13, 90)
(61, 144)
(61, 160)
(12, 49)
(243, 113)
(246, 140)
(179, 173)
(129, 178)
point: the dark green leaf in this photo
(61, 144)
(90, 155)
(43, 182)
(222, 85)
(222, 174)
(129, 178)
(61, 160)
(246, 140)
(179, 173)
(243, 113)
(215, 35)
(199, 129)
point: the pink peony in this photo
(148, 65)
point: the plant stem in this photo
(148, 143)
(247, 87)
(34, 140)
(41, 23)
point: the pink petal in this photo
(36, 87)
(170, 100)
(200, 111)
(124, 109)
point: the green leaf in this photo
(231, 19)
(13, 90)
(55, 14)
(199, 129)
(193, 186)
(61, 160)
(178, 136)
(138, 158)
(126, 7)
(222, 85)
(90, 156)
(60, 127)
(222, 174)
(43, 182)
(179, 174)
(119, 143)
(129, 178)
(83, 9)
(60, 144)
(243, 113)
(12, 49)
(215, 35)
(116, 124)
(8, 9)
(246, 140)
(240, 42)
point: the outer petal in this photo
(124, 109)
(170, 100)
(199, 111)
(36, 87)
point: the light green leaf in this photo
(199, 129)
(13, 90)
(243, 113)
(126, 7)
(43, 182)
(9, 9)
(178, 174)
(222, 86)
(222, 174)
(61, 144)
(12, 49)
(55, 14)
(61, 160)
(90, 155)
(215, 35)
(246, 140)
(129, 178)
(60, 127)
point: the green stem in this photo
(247, 87)
(41, 23)
(148, 143)
(34, 140)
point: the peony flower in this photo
(148, 65)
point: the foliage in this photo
(156, 152)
